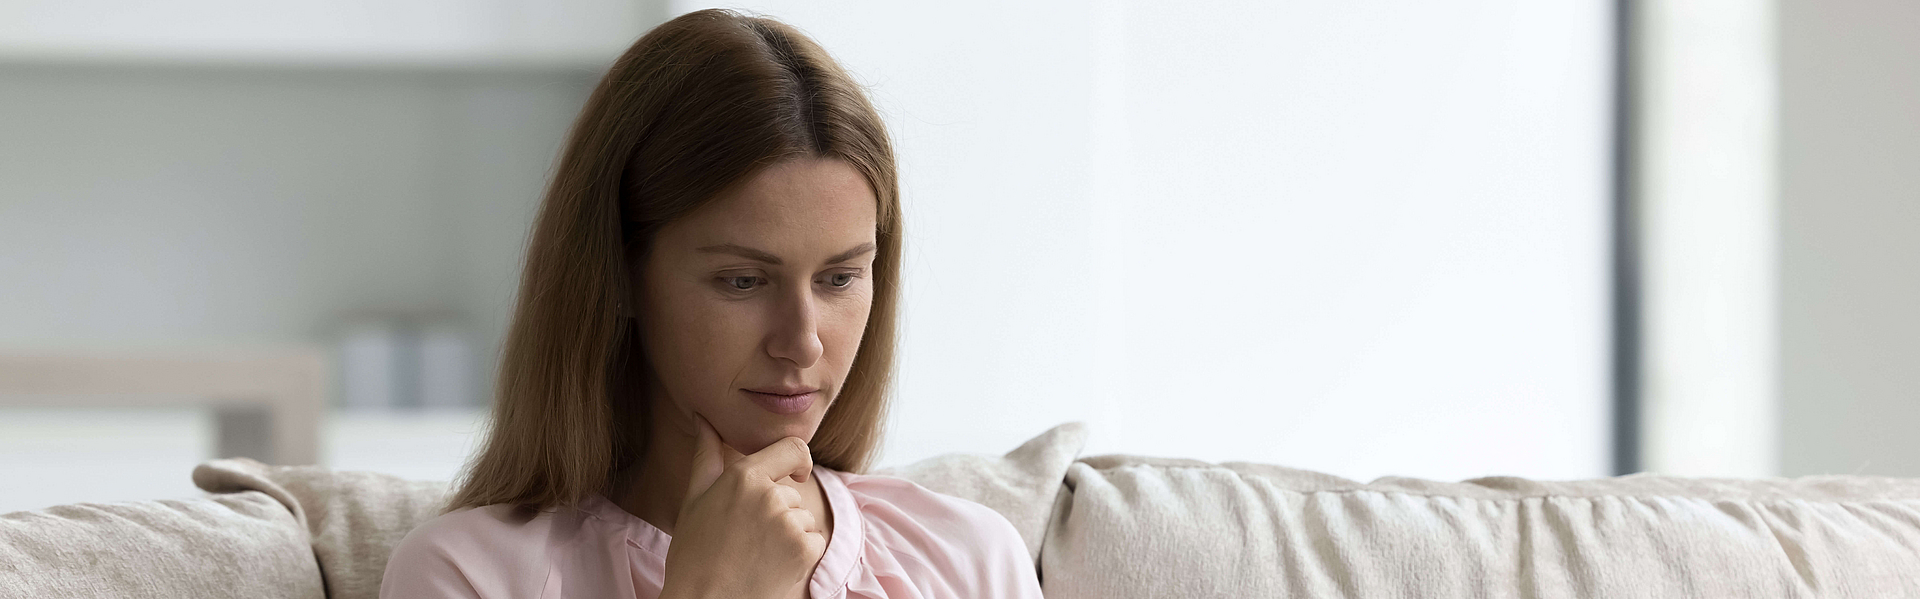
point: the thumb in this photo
(710, 459)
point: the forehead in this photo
(803, 196)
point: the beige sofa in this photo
(1098, 527)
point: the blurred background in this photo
(1435, 239)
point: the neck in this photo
(655, 491)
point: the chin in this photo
(761, 434)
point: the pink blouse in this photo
(891, 538)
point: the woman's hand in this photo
(740, 533)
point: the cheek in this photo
(841, 328)
(698, 345)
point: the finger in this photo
(787, 457)
(803, 520)
(709, 460)
(789, 498)
(816, 544)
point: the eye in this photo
(842, 279)
(742, 283)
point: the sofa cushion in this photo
(1154, 527)
(353, 518)
(1021, 485)
(238, 545)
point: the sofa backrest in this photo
(1107, 526)
(233, 545)
(352, 520)
(1132, 526)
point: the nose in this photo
(796, 333)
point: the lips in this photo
(792, 401)
(784, 390)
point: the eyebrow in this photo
(762, 256)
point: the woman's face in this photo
(752, 307)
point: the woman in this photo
(699, 363)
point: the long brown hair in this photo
(696, 106)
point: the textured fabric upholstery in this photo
(353, 519)
(237, 545)
(1154, 527)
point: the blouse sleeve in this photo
(1009, 569)
(420, 568)
(470, 554)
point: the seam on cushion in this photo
(1055, 507)
(1268, 480)
(1795, 555)
(1060, 512)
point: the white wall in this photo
(1363, 238)
(325, 30)
(1850, 256)
(1706, 193)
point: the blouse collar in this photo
(843, 550)
(830, 576)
